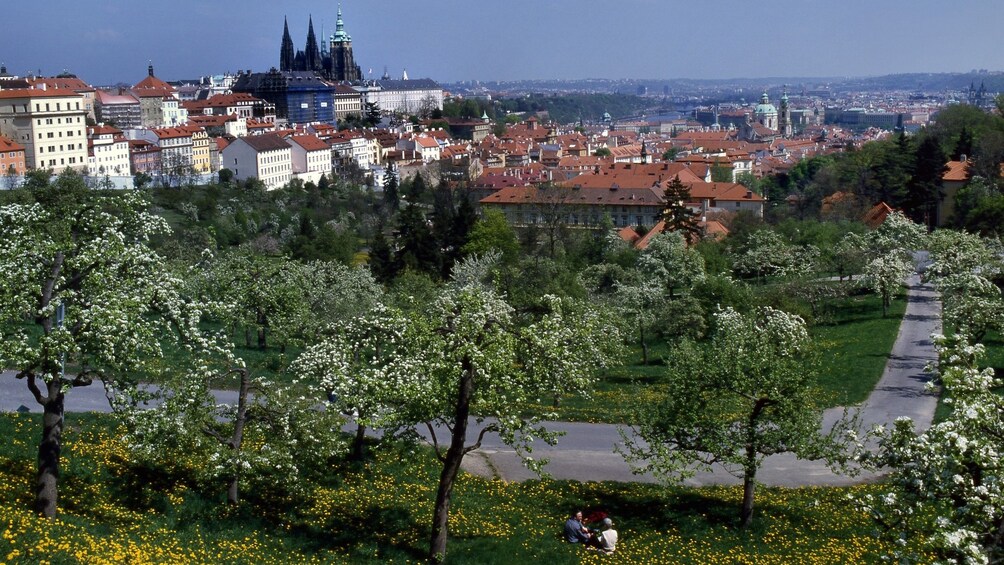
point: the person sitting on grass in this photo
(608, 538)
(575, 532)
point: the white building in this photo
(424, 145)
(345, 148)
(415, 96)
(107, 151)
(266, 157)
(175, 146)
(49, 122)
(310, 156)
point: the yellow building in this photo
(201, 161)
(49, 122)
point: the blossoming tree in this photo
(963, 268)
(946, 493)
(746, 395)
(469, 359)
(889, 254)
(81, 290)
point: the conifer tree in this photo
(677, 214)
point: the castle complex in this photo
(333, 60)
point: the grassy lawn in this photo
(853, 346)
(378, 512)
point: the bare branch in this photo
(216, 435)
(481, 436)
(33, 387)
(435, 443)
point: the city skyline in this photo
(520, 40)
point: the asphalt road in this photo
(587, 452)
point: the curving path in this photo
(588, 451)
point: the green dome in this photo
(765, 107)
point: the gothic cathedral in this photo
(334, 62)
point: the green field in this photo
(853, 349)
(378, 512)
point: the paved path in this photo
(587, 451)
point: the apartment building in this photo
(266, 157)
(49, 122)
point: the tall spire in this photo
(312, 52)
(149, 69)
(340, 36)
(286, 51)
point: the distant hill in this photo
(928, 82)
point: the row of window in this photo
(50, 135)
(49, 122)
(38, 106)
(73, 161)
(52, 148)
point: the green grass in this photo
(379, 511)
(856, 347)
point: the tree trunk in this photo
(261, 338)
(451, 467)
(233, 491)
(750, 468)
(247, 337)
(237, 440)
(749, 488)
(359, 443)
(644, 346)
(47, 480)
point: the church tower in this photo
(784, 118)
(342, 66)
(312, 53)
(286, 52)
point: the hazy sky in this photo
(106, 41)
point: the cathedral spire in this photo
(312, 52)
(286, 51)
(340, 36)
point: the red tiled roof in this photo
(722, 191)
(876, 215)
(958, 171)
(265, 142)
(172, 133)
(103, 130)
(36, 93)
(151, 82)
(309, 142)
(73, 83)
(573, 196)
(7, 144)
(109, 98)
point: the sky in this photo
(109, 41)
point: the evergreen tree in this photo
(372, 114)
(964, 146)
(417, 188)
(381, 261)
(677, 214)
(416, 247)
(443, 214)
(323, 184)
(390, 186)
(463, 221)
(924, 189)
